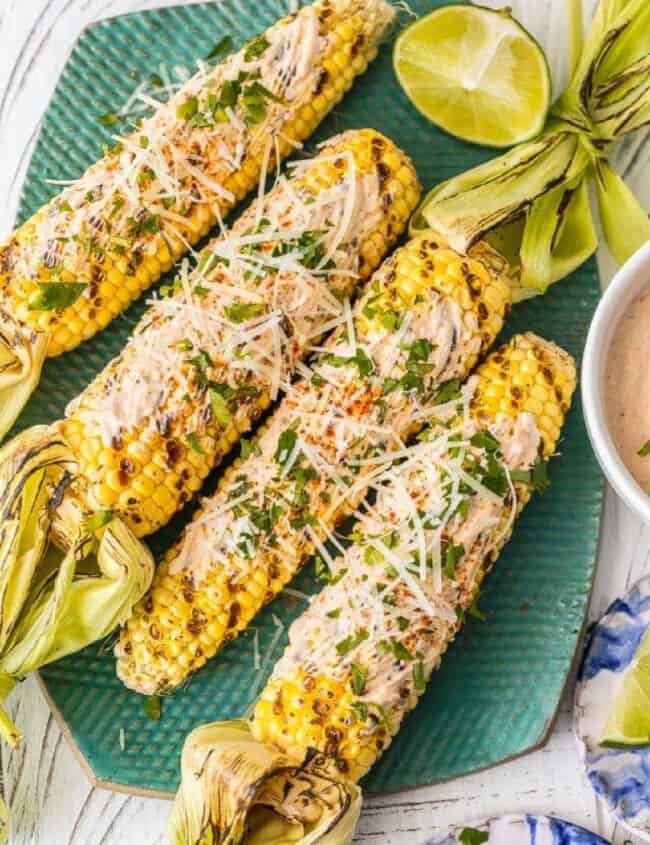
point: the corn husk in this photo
(234, 788)
(56, 599)
(22, 354)
(538, 191)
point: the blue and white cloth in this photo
(619, 776)
(519, 830)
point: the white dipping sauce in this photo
(627, 388)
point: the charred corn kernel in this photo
(152, 425)
(357, 662)
(422, 320)
(126, 237)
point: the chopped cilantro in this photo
(53, 295)
(298, 522)
(418, 676)
(255, 48)
(148, 223)
(447, 392)
(419, 351)
(495, 477)
(238, 312)
(360, 359)
(153, 707)
(286, 444)
(485, 440)
(248, 448)
(476, 611)
(453, 554)
(539, 476)
(108, 119)
(352, 641)
(333, 614)
(219, 408)
(194, 443)
(358, 679)
(397, 649)
(188, 109)
(223, 46)
(644, 451)
(472, 836)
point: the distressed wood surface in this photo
(51, 801)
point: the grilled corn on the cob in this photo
(207, 359)
(422, 321)
(80, 260)
(362, 653)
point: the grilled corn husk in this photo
(422, 322)
(360, 656)
(80, 260)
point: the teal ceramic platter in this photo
(501, 682)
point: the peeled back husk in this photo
(533, 201)
(56, 598)
(235, 790)
(22, 353)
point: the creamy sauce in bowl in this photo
(627, 389)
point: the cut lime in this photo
(628, 723)
(476, 73)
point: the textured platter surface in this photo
(501, 681)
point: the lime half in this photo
(476, 73)
(628, 722)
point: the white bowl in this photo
(630, 281)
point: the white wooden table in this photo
(51, 801)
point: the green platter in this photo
(501, 682)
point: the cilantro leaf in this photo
(352, 641)
(53, 295)
(153, 707)
(472, 836)
(453, 554)
(360, 359)
(239, 312)
(418, 677)
(286, 444)
(194, 443)
(256, 48)
(358, 680)
(223, 46)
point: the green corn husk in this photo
(56, 599)
(234, 787)
(5, 824)
(533, 201)
(22, 354)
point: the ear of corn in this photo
(422, 321)
(362, 653)
(521, 397)
(207, 360)
(80, 260)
